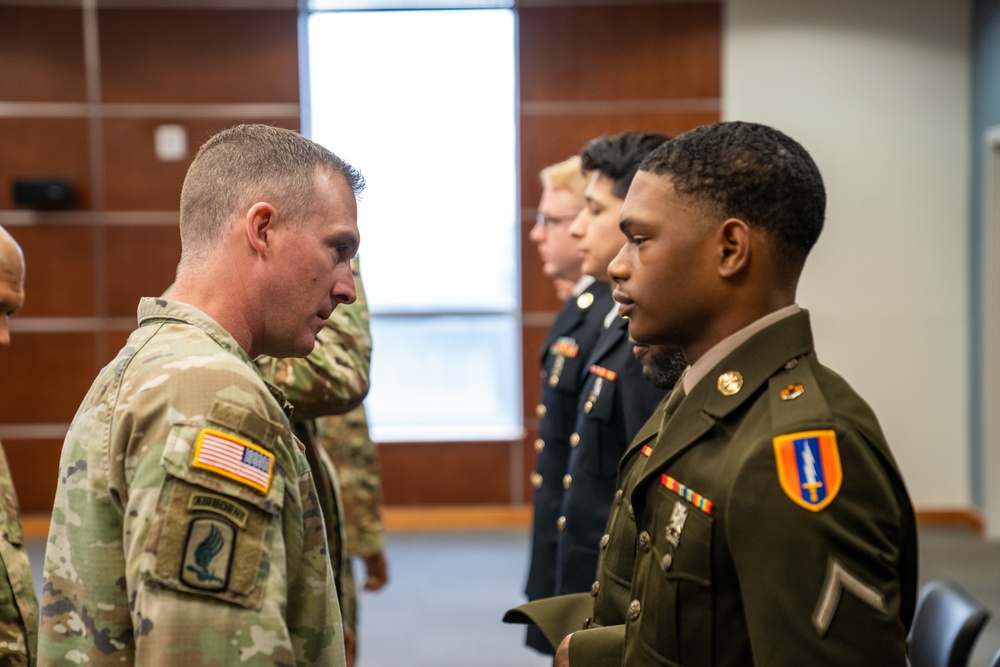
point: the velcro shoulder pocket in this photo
(218, 512)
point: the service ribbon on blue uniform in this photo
(565, 347)
(600, 371)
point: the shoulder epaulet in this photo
(796, 397)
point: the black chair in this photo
(946, 623)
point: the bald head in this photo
(11, 281)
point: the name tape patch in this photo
(234, 458)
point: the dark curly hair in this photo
(618, 157)
(752, 172)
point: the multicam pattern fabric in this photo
(18, 606)
(346, 439)
(328, 383)
(152, 560)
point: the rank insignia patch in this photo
(208, 554)
(235, 458)
(809, 467)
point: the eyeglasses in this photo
(552, 221)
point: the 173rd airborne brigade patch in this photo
(809, 467)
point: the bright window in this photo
(423, 103)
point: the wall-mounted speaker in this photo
(45, 194)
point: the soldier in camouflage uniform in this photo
(346, 439)
(18, 606)
(186, 526)
(333, 380)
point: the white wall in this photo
(879, 93)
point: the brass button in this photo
(792, 363)
(730, 383)
(631, 512)
(567, 481)
(540, 409)
(634, 609)
(574, 440)
(595, 588)
(605, 540)
(584, 301)
(644, 541)
(667, 561)
(619, 494)
(561, 523)
(536, 480)
(553, 380)
(588, 406)
(539, 445)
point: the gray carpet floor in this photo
(449, 590)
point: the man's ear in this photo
(734, 240)
(258, 225)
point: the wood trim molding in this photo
(488, 517)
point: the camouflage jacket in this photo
(18, 606)
(333, 379)
(345, 438)
(186, 527)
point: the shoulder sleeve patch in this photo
(235, 458)
(809, 468)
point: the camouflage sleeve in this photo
(346, 439)
(18, 606)
(334, 377)
(165, 549)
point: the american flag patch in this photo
(232, 457)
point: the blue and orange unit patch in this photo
(809, 467)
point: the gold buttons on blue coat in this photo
(540, 409)
(536, 480)
(584, 301)
(567, 481)
(561, 523)
(539, 445)
(588, 406)
(574, 440)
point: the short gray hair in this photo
(246, 164)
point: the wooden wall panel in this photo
(142, 262)
(45, 376)
(545, 135)
(41, 55)
(44, 148)
(207, 56)
(34, 465)
(59, 278)
(136, 179)
(620, 52)
(445, 473)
